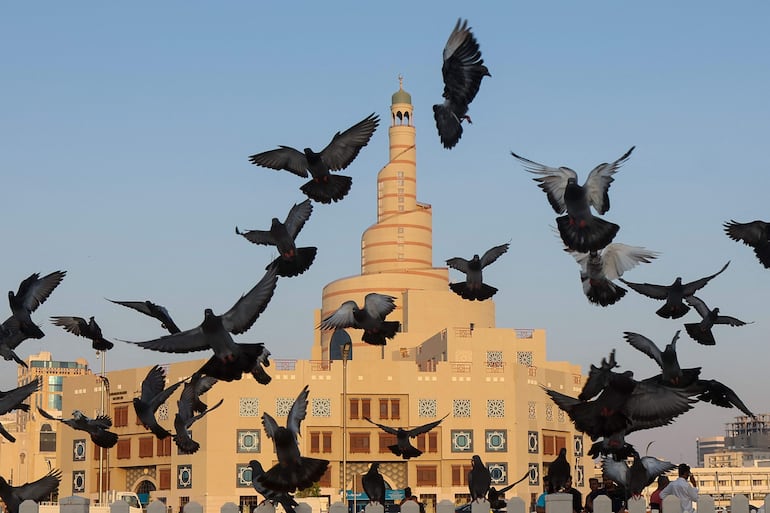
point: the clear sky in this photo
(125, 131)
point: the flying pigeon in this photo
(32, 293)
(701, 331)
(403, 447)
(474, 288)
(719, 394)
(559, 471)
(293, 471)
(667, 360)
(157, 311)
(462, 71)
(673, 294)
(154, 394)
(188, 404)
(97, 427)
(82, 328)
(496, 497)
(214, 332)
(324, 187)
(374, 484)
(599, 268)
(479, 479)
(36, 491)
(370, 318)
(755, 234)
(282, 498)
(13, 400)
(580, 230)
(251, 358)
(641, 474)
(10, 338)
(291, 260)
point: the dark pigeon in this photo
(82, 328)
(14, 400)
(324, 187)
(293, 471)
(641, 474)
(370, 318)
(97, 427)
(151, 309)
(701, 331)
(755, 234)
(673, 294)
(479, 479)
(154, 394)
(284, 499)
(462, 71)
(403, 446)
(250, 358)
(188, 404)
(667, 360)
(291, 260)
(32, 293)
(10, 338)
(36, 491)
(474, 288)
(496, 498)
(374, 484)
(559, 471)
(719, 394)
(580, 230)
(214, 332)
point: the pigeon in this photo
(462, 71)
(10, 338)
(701, 331)
(291, 260)
(13, 400)
(32, 293)
(188, 404)
(324, 187)
(559, 471)
(598, 377)
(153, 310)
(641, 474)
(36, 491)
(755, 234)
(214, 332)
(496, 497)
(374, 484)
(403, 447)
(671, 373)
(673, 294)
(282, 498)
(82, 328)
(580, 230)
(96, 427)
(251, 358)
(479, 479)
(154, 394)
(293, 471)
(719, 394)
(370, 318)
(599, 268)
(474, 288)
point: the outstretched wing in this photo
(387, 429)
(34, 290)
(341, 318)
(344, 147)
(649, 289)
(688, 289)
(553, 181)
(493, 254)
(599, 181)
(297, 217)
(617, 258)
(37, 490)
(458, 263)
(644, 345)
(283, 158)
(247, 309)
(462, 68)
(75, 325)
(419, 430)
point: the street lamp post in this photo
(345, 356)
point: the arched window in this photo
(47, 438)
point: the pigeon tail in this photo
(473, 294)
(330, 188)
(298, 264)
(102, 345)
(593, 235)
(449, 128)
(379, 337)
(618, 452)
(672, 311)
(409, 452)
(186, 445)
(604, 293)
(698, 334)
(104, 438)
(294, 476)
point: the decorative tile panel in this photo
(561, 415)
(462, 440)
(243, 476)
(498, 472)
(162, 412)
(531, 410)
(461, 407)
(578, 445)
(534, 474)
(79, 449)
(533, 442)
(497, 440)
(549, 412)
(283, 406)
(184, 476)
(524, 358)
(248, 407)
(321, 407)
(428, 408)
(78, 481)
(496, 408)
(248, 440)
(580, 475)
(495, 358)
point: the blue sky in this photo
(126, 129)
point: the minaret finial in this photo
(400, 81)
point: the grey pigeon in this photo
(580, 230)
(701, 331)
(249, 358)
(32, 293)
(641, 474)
(673, 294)
(370, 318)
(214, 332)
(154, 394)
(374, 484)
(474, 288)
(14, 400)
(151, 309)
(323, 187)
(462, 71)
(10, 338)
(82, 328)
(479, 479)
(598, 269)
(559, 471)
(188, 404)
(36, 491)
(403, 447)
(97, 427)
(284, 499)
(667, 360)
(755, 234)
(291, 260)
(719, 394)
(293, 471)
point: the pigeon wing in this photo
(298, 412)
(657, 403)
(270, 425)
(688, 289)
(617, 258)
(458, 263)
(751, 234)
(699, 305)
(648, 289)
(13, 398)
(283, 158)
(263, 237)
(297, 217)
(644, 345)
(553, 181)
(599, 181)
(341, 318)
(35, 290)
(387, 429)
(37, 490)
(493, 254)
(344, 147)
(463, 68)
(419, 430)
(153, 383)
(618, 471)
(379, 305)
(75, 325)
(247, 309)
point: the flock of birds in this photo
(610, 406)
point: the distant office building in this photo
(708, 445)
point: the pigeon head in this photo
(715, 311)
(77, 414)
